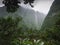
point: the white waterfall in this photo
(36, 21)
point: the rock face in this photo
(30, 17)
(53, 15)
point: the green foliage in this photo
(8, 30)
(51, 26)
(50, 35)
(13, 34)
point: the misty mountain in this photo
(31, 18)
(53, 16)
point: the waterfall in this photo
(36, 21)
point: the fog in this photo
(39, 5)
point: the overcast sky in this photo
(39, 5)
(43, 5)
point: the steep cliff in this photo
(53, 15)
(30, 17)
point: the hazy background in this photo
(39, 5)
(31, 16)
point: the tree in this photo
(12, 5)
(51, 36)
(29, 1)
(13, 33)
(9, 30)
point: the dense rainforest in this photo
(12, 32)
